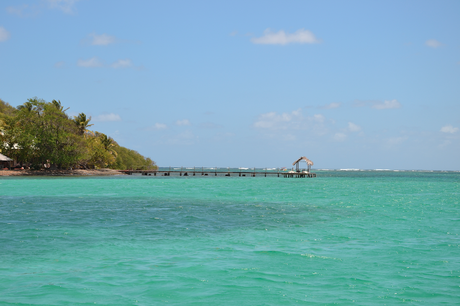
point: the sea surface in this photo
(343, 238)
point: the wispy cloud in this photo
(102, 40)
(107, 118)
(24, 10)
(389, 104)
(60, 64)
(184, 138)
(160, 126)
(340, 137)
(331, 105)
(273, 120)
(183, 122)
(209, 125)
(353, 127)
(433, 43)
(282, 124)
(449, 129)
(30, 10)
(95, 62)
(301, 36)
(16, 10)
(4, 34)
(122, 63)
(390, 142)
(319, 118)
(67, 6)
(90, 63)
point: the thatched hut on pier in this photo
(297, 164)
(5, 161)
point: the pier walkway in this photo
(229, 172)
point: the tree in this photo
(82, 123)
(58, 140)
(108, 143)
(130, 159)
(42, 132)
(39, 132)
(6, 109)
(97, 155)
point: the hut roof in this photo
(309, 162)
(4, 158)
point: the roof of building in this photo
(309, 162)
(4, 158)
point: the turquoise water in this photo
(363, 238)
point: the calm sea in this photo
(368, 238)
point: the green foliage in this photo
(39, 132)
(6, 108)
(97, 156)
(130, 159)
(82, 122)
(6, 111)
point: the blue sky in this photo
(349, 84)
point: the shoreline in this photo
(76, 172)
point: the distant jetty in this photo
(230, 172)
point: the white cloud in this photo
(16, 10)
(183, 138)
(273, 120)
(387, 104)
(21, 10)
(102, 40)
(4, 34)
(186, 135)
(331, 105)
(90, 63)
(340, 136)
(433, 43)
(108, 118)
(94, 62)
(353, 127)
(183, 122)
(67, 6)
(301, 36)
(160, 126)
(395, 141)
(285, 126)
(60, 64)
(30, 10)
(290, 137)
(274, 124)
(122, 63)
(319, 118)
(209, 125)
(449, 129)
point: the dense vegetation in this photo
(40, 134)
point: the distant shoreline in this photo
(77, 172)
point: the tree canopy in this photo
(39, 133)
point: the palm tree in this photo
(82, 123)
(59, 105)
(27, 105)
(108, 143)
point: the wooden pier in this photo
(222, 172)
(299, 174)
